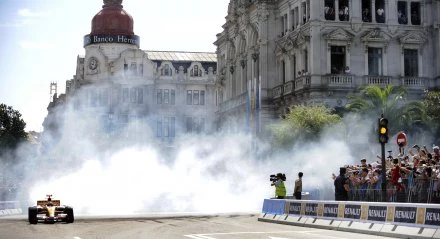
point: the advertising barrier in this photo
(426, 215)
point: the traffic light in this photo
(383, 130)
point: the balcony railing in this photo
(346, 81)
(413, 82)
(378, 80)
(339, 80)
(234, 102)
(277, 92)
(302, 82)
(288, 88)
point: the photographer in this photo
(278, 182)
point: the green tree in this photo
(11, 128)
(432, 104)
(302, 123)
(389, 101)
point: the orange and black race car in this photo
(50, 211)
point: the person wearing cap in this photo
(280, 188)
(341, 186)
(298, 186)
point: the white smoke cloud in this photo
(102, 173)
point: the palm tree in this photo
(389, 101)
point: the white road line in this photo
(315, 234)
(76, 237)
(206, 236)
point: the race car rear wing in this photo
(44, 202)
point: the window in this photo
(337, 59)
(189, 97)
(401, 12)
(202, 97)
(125, 95)
(196, 72)
(173, 97)
(141, 69)
(195, 97)
(329, 10)
(292, 19)
(166, 96)
(380, 11)
(166, 70)
(103, 97)
(343, 10)
(123, 119)
(283, 72)
(374, 61)
(133, 68)
(411, 62)
(159, 96)
(159, 128)
(93, 98)
(286, 28)
(415, 13)
(366, 11)
(140, 95)
(166, 127)
(133, 95)
(306, 61)
(195, 125)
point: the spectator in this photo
(366, 17)
(298, 186)
(401, 18)
(341, 186)
(380, 16)
(347, 70)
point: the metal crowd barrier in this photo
(417, 191)
(4, 205)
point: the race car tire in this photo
(32, 215)
(70, 216)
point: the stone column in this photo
(391, 12)
(336, 10)
(373, 11)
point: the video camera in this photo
(274, 177)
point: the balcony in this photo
(339, 81)
(349, 83)
(302, 82)
(414, 82)
(277, 92)
(377, 80)
(234, 102)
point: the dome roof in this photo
(112, 19)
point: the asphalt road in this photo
(195, 227)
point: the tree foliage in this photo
(11, 128)
(432, 104)
(302, 123)
(389, 101)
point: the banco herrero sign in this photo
(106, 38)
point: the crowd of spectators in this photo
(411, 177)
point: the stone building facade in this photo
(122, 86)
(273, 54)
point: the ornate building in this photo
(273, 54)
(121, 86)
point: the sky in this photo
(40, 41)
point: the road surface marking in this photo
(76, 237)
(206, 235)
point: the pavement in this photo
(166, 226)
